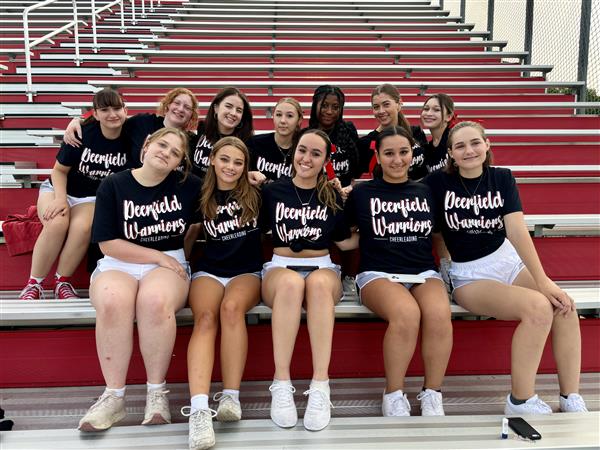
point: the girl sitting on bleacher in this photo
(177, 109)
(305, 216)
(437, 116)
(229, 114)
(387, 109)
(496, 271)
(225, 285)
(395, 218)
(271, 153)
(141, 219)
(326, 114)
(66, 200)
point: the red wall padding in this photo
(68, 357)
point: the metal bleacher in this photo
(271, 49)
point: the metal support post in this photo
(584, 48)
(490, 19)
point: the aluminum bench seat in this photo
(316, 18)
(574, 431)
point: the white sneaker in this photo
(229, 409)
(533, 405)
(573, 403)
(431, 403)
(318, 410)
(108, 410)
(201, 433)
(157, 411)
(283, 408)
(395, 405)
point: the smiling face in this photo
(395, 156)
(385, 109)
(229, 114)
(469, 151)
(164, 153)
(179, 112)
(228, 163)
(329, 111)
(310, 157)
(111, 117)
(433, 116)
(286, 120)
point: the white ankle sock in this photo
(120, 392)
(398, 393)
(37, 279)
(320, 385)
(199, 402)
(285, 382)
(234, 394)
(156, 386)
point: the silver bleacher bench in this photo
(80, 312)
(394, 55)
(157, 42)
(423, 86)
(575, 431)
(324, 32)
(273, 19)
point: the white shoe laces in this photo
(283, 394)
(317, 401)
(186, 411)
(430, 400)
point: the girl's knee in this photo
(538, 311)
(205, 320)
(406, 322)
(57, 225)
(232, 312)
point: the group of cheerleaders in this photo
(146, 189)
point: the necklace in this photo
(476, 187)
(300, 200)
(284, 151)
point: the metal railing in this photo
(95, 13)
(30, 44)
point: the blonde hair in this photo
(244, 193)
(292, 101)
(182, 135)
(166, 101)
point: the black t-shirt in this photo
(268, 158)
(471, 211)
(200, 148)
(436, 156)
(94, 160)
(231, 248)
(298, 219)
(155, 217)
(344, 157)
(395, 221)
(366, 152)
(136, 129)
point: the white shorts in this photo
(137, 271)
(364, 278)
(46, 186)
(319, 262)
(503, 265)
(223, 280)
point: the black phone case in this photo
(523, 429)
(303, 268)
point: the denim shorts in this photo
(223, 280)
(364, 278)
(322, 262)
(137, 271)
(46, 186)
(503, 265)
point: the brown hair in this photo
(244, 193)
(450, 165)
(185, 159)
(243, 131)
(292, 101)
(447, 105)
(391, 90)
(163, 106)
(105, 98)
(392, 130)
(325, 191)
